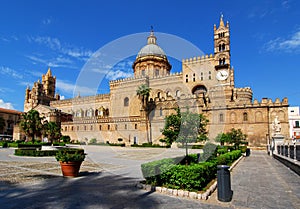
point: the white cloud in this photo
(47, 21)
(64, 48)
(291, 44)
(117, 74)
(56, 62)
(69, 88)
(6, 105)
(10, 72)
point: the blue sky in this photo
(63, 35)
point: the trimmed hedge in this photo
(149, 145)
(43, 153)
(172, 173)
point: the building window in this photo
(126, 102)
(72, 128)
(186, 78)
(125, 126)
(66, 128)
(100, 127)
(108, 127)
(177, 93)
(201, 76)
(297, 125)
(245, 116)
(85, 128)
(91, 128)
(209, 75)
(135, 126)
(221, 118)
(161, 112)
(156, 72)
(116, 127)
(77, 128)
(194, 77)
(143, 72)
(158, 94)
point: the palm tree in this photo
(143, 93)
(31, 124)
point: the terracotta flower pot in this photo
(70, 169)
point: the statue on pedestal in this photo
(276, 126)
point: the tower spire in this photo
(49, 73)
(221, 21)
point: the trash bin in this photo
(223, 183)
(247, 152)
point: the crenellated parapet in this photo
(199, 59)
(270, 103)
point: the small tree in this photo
(171, 128)
(192, 129)
(52, 131)
(31, 124)
(185, 127)
(236, 137)
(222, 138)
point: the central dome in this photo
(151, 48)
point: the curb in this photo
(185, 193)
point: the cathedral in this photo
(206, 84)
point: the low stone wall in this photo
(290, 163)
(184, 193)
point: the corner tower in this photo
(151, 60)
(49, 83)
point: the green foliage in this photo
(173, 173)
(148, 145)
(35, 153)
(172, 127)
(184, 127)
(65, 138)
(197, 146)
(52, 131)
(228, 157)
(93, 141)
(236, 137)
(31, 124)
(222, 138)
(70, 155)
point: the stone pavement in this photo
(257, 181)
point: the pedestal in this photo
(276, 139)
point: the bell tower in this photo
(222, 45)
(49, 84)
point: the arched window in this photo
(108, 127)
(220, 48)
(223, 47)
(125, 127)
(194, 77)
(221, 118)
(72, 128)
(224, 61)
(66, 128)
(161, 112)
(186, 78)
(156, 72)
(126, 102)
(177, 93)
(91, 128)
(135, 126)
(245, 116)
(100, 127)
(201, 76)
(209, 75)
(116, 127)
(158, 94)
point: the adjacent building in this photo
(8, 119)
(206, 85)
(294, 121)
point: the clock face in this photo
(222, 75)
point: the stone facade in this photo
(205, 85)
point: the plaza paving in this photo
(109, 175)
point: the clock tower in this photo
(222, 46)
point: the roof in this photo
(9, 111)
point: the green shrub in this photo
(243, 149)
(70, 155)
(149, 145)
(34, 152)
(197, 146)
(93, 141)
(221, 151)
